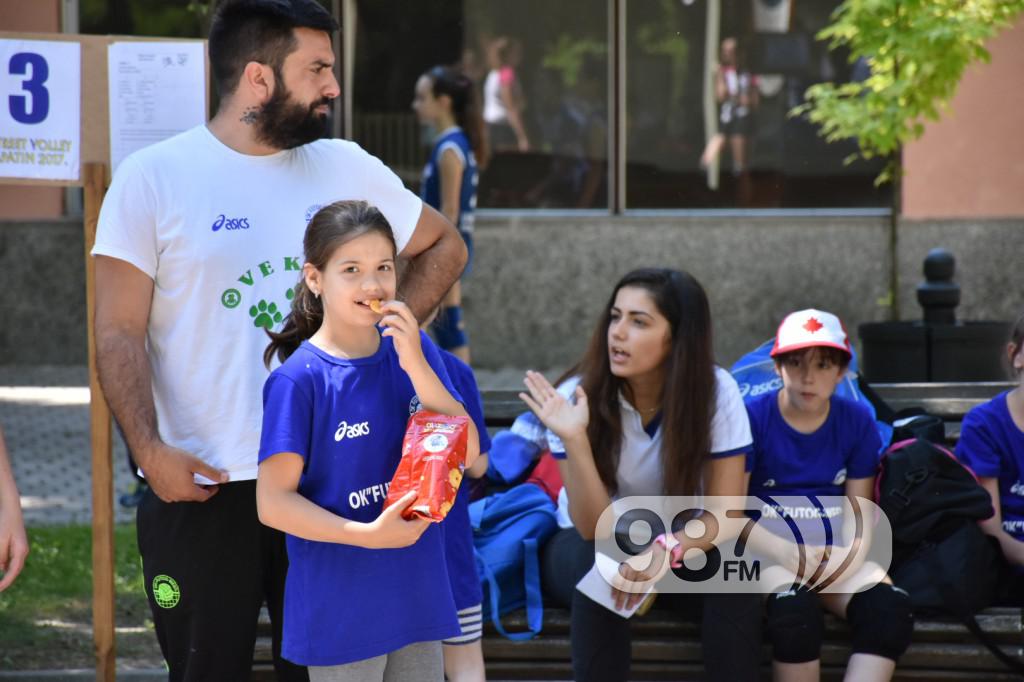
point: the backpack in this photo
(941, 557)
(755, 375)
(508, 528)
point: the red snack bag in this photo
(433, 458)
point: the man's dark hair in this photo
(261, 31)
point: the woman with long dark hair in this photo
(447, 102)
(645, 412)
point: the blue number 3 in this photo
(32, 85)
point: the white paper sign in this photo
(40, 105)
(157, 90)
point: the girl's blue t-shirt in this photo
(785, 462)
(993, 446)
(458, 534)
(347, 419)
(430, 191)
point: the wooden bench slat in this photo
(512, 670)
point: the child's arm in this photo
(404, 330)
(479, 467)
(13, 541)
(280, 506)
(1013, 549)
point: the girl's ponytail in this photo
(305, 318)
(466, 108)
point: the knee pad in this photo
(796, 626)
(448, 328)
(881, 620)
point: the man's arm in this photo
(123, 298)
(432, 262)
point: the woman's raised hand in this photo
(567, 419)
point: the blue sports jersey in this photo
(786, 462)
(430, 191)
(458, 535)
(993, 446)
(347, 420)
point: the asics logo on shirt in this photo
(346, 430)
(1017, 488)
(840, 477)
(754, 390)
(230, 223)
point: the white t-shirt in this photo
(220, 233)
(494, 108)
(641, 471)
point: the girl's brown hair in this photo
(688, 392)
(466, 107)
(332, 226)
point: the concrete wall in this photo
(43, 294)
(970, 163)
(539, 283)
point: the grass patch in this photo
(46, 616)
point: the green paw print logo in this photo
(265, 314)
(166, 592)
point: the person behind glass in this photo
(809, 442)
(992, 444)
(446, 101)
(463, 655)
(334, 418)
(737, 97)
(646, 412)
(503, 97)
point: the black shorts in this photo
(207, 568)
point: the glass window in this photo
(540, 71)
(702, 136)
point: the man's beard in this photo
(285, 124)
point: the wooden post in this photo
(94, 176)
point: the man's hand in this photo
(170, 473)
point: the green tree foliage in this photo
(917, 51)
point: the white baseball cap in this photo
(810, 328)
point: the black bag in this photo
(941, 557)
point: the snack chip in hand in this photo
(433, 457)
(374, 304)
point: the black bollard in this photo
(939, 295)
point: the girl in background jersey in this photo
(992, 444)
(446, 101)
(367, 595)
(463, 655)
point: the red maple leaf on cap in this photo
(812, 325)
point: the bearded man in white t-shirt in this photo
(198, 247)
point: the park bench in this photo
(666, 647)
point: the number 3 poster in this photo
(40, 103)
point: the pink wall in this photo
(19, 201)
(971, 162)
